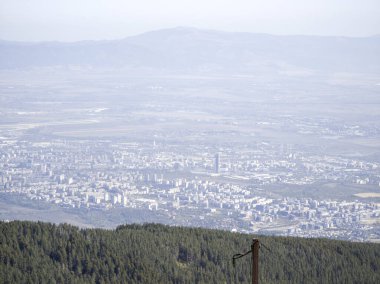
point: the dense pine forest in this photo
(47, 253)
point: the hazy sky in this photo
(69, 20)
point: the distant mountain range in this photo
(189, 49)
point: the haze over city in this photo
(246, 116)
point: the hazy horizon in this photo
(68, 21)
(189, 28)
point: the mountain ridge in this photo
(189, 29)
(189, 49)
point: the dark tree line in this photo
(46, 253)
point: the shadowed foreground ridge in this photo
(46, 253)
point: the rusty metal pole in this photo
(255, 261)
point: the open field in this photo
(368, 194)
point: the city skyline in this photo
(104, 133)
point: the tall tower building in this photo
(217, 162)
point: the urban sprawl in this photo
(209, 187)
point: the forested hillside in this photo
(47, 253)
